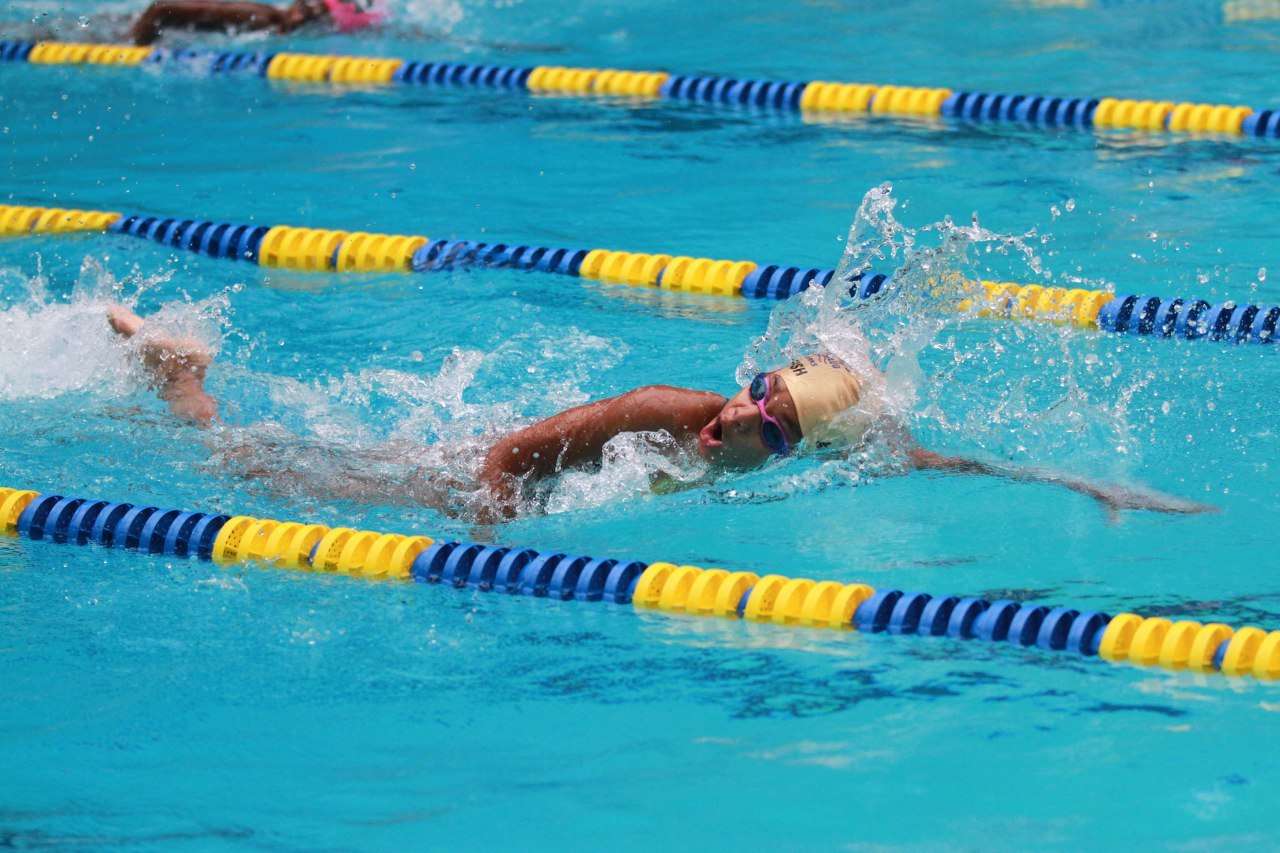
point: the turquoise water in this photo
(176, 705)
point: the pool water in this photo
(170, 704)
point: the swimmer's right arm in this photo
(209, 14)
(1114, 498)
(578, 435)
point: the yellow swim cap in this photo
(826, 392)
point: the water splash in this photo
(378, 434)
(108, 20)
(53, 346)
(388, 435)
(1008, 390)
(395, 433)
(633, 465)
(440, 16)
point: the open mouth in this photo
(712, 434)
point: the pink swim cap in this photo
(351, 15)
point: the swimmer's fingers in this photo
(1178, 506)
(1116, 499)
(1181, 507)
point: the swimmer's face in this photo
(733, 437)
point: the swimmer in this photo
(234, 16)
(817, 401)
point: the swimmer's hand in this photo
(500, 495)
(662, 483)
(1117, 498)
(1111, 497)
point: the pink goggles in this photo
(771, 432)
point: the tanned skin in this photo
(727, 431)
(576, 437)
(216, 16)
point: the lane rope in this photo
(660, 586)
(813, 99)
(326, 250)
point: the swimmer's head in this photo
(817, 399)
(347, 15)
(830, 400)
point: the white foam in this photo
(632, 465)
(398, 435)
(439, 15)
(51, 346)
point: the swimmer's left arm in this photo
(1114, 498)
(210, 14)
